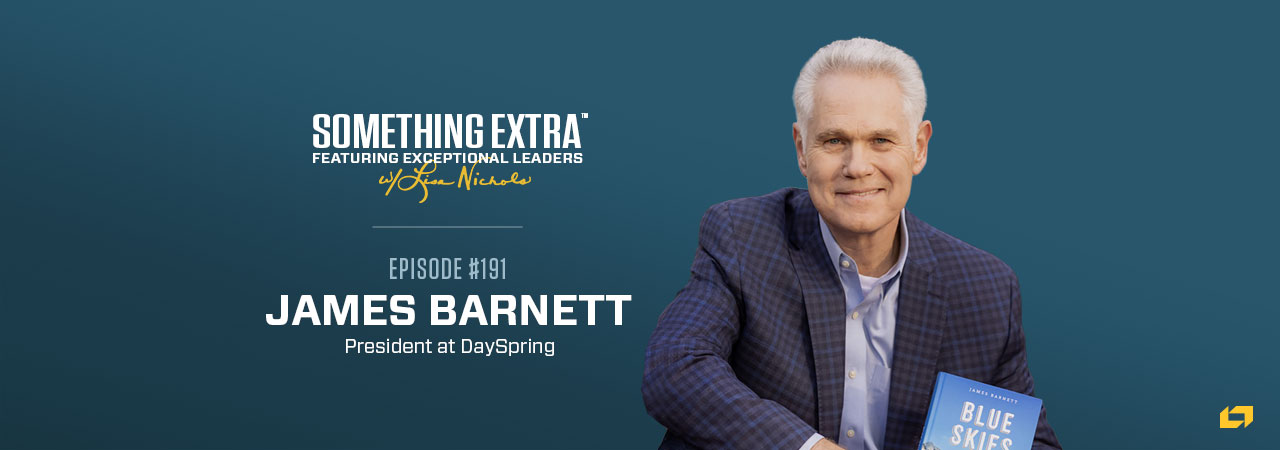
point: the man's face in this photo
(859, 151)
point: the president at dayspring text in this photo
(820, 318)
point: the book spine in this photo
(933, 415)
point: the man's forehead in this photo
(854, 100)
(853, 89)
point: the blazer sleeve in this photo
(1012, 372)
(689, 386)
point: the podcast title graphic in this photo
(492, 139)
(458, 152)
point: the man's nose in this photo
(857, 161)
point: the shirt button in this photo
(849, 433)
(844, 264)
(854, 316)
(853, 374)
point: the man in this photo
(820, 318)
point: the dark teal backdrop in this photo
(159, 197)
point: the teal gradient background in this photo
(159, 198)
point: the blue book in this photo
(966, 414)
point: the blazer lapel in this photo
(920, 321)
(824, 308)
(917, 340)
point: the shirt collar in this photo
(833, 249)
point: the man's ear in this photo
(922, 147)
(795, 135)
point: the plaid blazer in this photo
(750, 354)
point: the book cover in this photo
(966, 414)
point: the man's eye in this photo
(882, 141)
(834, 141)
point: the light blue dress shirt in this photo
(871, 305)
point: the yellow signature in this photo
(422, 177)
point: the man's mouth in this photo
(859, 193)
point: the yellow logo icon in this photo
(1224, 418)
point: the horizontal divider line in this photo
(451, 226)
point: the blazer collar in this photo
(805, 232)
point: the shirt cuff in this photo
(813, 440)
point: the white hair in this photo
(862, 55)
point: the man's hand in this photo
(826, 444)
